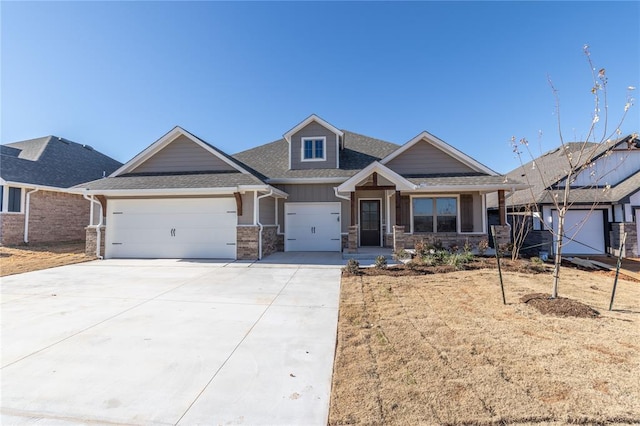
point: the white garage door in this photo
(172, 228)
(584, 231)
(312, 227)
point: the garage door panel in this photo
(583, 232)
(172, 228)
(312, 227)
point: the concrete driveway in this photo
(169, 342)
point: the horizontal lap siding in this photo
(312, 193)
(423, 158)
(313, 130)
(183, 155)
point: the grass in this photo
(19, 259)
(443, 349)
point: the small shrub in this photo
(381, 262)
(453, 248)
(483, 245)
(456, 260)
(421, 248)
(536, 260)
(467, 247)
(352, 267)
(402, 254)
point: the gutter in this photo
(99, 225)
(344, 197)
(256, 212)
(27, 203)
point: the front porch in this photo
(391, 213)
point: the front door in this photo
(370, 223)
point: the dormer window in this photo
(314, 149)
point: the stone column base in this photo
(91, 240)
(247, 242)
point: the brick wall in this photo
(269, 240)
(631, 244)
(247, 242)
(53, 217)
(11, 229)
(447, 240)
(90, 242)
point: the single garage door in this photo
(584, 231)
(312, 227)
(171, 228)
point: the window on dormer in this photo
(313, 149)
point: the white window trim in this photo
(5, 199)
(456, 196)
(313, 138)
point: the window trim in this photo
(6, 190)
(435, 221)
(313, 138)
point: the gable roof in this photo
(400, 182)
(306, 121)
(272, 160)
(550, 168)
(443, 146)
(167, 139)
(53, 162)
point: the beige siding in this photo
(312, 193)
(267, 211)
(182, 155)
(424, 158)
(313, 129)
(247, 209)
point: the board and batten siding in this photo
(312, 193)
(183, 155)
(313, 129)
(423, 158)
(267, 211)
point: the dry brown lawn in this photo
(19, 259)
(443, 349)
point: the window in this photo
(435, 215)
(313, 149)
(14, 199)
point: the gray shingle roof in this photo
(53, 161)
(272, 160)
(173, 181)
(550, 168)
(615, 194)
(472, 179)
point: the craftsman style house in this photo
(319, 188)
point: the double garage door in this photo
(171, 228)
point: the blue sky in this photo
(118, 75)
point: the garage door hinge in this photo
(291, 239)
(117, 212)
(231, 244)
(290, 213)
(116, 244)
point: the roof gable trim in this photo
(401, 183)
(442, 146)
(306, 121)
(165, 140)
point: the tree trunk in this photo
(558, 257)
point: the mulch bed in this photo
(508, 265)
(560, 306)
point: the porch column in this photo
(353, 209)
(397, 208)
(502, 211)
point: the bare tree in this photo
(577, 158)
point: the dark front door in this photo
(370, 223)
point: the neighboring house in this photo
(604, 197)
(34, 176)
(317, 189)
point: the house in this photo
(319, 188)
(34, 177)
(604, 197)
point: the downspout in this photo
(27, 203)
(256, 212)
(98, 226)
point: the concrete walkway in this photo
(169, 342)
